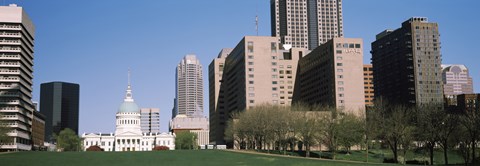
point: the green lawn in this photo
(177, 157)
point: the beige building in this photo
(306, 23)
(257, 71)
(368, 84)
(456, 81)
(17, 34)
(215, 73)
(332, 74)
(197, 125)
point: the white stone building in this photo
(128, 134)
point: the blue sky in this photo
(93, 43)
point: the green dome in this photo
(129, 106)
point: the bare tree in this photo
(449, 123)
(428, 122)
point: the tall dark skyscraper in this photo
(17, 34)
(59, 102)
(407, 63)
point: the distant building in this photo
(128, 134)
(456, 81)
(468, 102)
(150, 120)
(407, 64)
(332, 74)
(189, 87)
(59, 102)
(257, 71)
(197, 125)
(38, 130)
(17, 34)
(306, 23)
(215, 73)
(368, 84)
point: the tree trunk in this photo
(473, 152)
(445, 153)
(395, 152)
(431, 153)
(307, 148)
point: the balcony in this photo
(9, 34)
(10, 27)
(10, 42)
(10, 49)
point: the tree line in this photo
(399, 128)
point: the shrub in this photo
(94, 148)
(159, 148)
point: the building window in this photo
(251, 88)
(339, 64)
(340, 89)
(274, 63)
(250, 63)
(273, 47)
(357, 45)
(340, 82)
(250, 57)
(251, 95)
(252, 101)
(250, 82)
(339, 70)
(250, 76)
(274, 82)
(339, 58)
(274, 70)
(274, 95)
(250, 47)
(274, 89)
(250, 69)
(340, 95)
(339, 51)
(340, 76)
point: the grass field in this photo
(177, 157)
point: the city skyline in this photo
(152, 66)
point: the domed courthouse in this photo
(128, 134)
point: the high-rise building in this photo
(189, 87)
(38, 130)
(407, 63)
(368, 84)
(456, 81)
(17, 34)
(257, 71)
(306, 23)
(59, 102)
(332, 74)
(215, 73)
(150, 120)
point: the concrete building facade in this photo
(257, 71)
(150, 120)
(17, 34)
(189, 87)
(306, 23)
(197, 125)
(456, 81)
(332, 74)
(59, 102)
(215, 73)
(407, 63)
(368, 84)
(38, 130)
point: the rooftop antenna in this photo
(256, 18)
